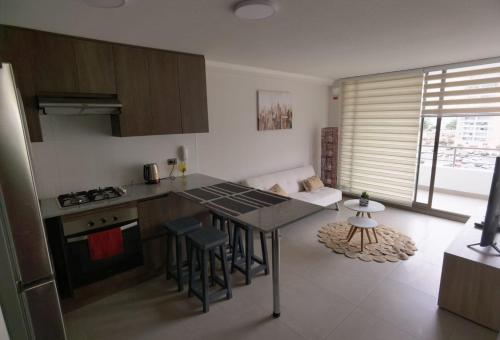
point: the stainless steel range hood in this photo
(79, 104)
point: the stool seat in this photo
(182, 226)
(207, 238)
(177, 230)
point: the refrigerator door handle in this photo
(25, 287)
(44, 311)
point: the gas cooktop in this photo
(82, 197)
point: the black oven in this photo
(83, 270)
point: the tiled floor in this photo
(324, 296)
(455, 203)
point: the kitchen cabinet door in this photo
(182, 207)
(193, 93)
(56, 64)
(152, 214)
(95, 68)
(164, 84)
(132, 85)
(157, 211)
(17, 48)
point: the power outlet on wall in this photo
(172, 161)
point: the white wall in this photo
(334, 114)
(234, 149)
(79, 153)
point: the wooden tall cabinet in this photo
(94, 66)
(132, 85)
(193, 93)
(55, 63)
(164, 84)
(17, 47)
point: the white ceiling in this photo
(323, 38)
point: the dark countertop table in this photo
(136, 192)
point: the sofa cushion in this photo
(278, 190)
(289, 180)
(324, 196)
(313, 183)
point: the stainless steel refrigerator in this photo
(28, 294)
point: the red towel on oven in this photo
(105, 244)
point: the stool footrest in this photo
(254, 270)
(212, 296)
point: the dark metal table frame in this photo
(275, 246)
(275, 250)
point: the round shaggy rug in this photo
(392, 246)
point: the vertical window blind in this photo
(379, 135)
(461, 91)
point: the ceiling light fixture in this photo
(254, 9)
(105, 3)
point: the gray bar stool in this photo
(203, 244)
(176, 229)
(224, 224)
(245, 264)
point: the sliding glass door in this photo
(426, 160)
(422, 138)
(459, 139)
(456, 175)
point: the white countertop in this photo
(50, 207)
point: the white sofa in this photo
(291, 181)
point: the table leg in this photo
(358, 213)
(362, 245)
(369, 215)
(275, 242)
(352, 234)
(349, 233)
(368, 234)
(375, 234)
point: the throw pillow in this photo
(278, 190)
(313, 183)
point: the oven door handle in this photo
(83, 238)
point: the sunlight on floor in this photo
(455, 203)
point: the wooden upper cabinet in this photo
(17, 46)
(193, 93)
(94, 66)
(132, 86)
(161, 92)
(164, 85)
(56, 64)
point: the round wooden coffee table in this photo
(372, 207)
(364, 225)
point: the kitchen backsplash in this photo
(79, 152)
